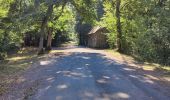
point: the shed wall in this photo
(97, 40)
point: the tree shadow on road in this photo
(93, 76)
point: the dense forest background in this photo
(140, 28)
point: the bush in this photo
(3, 55)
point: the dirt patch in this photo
(31, 90)
(14, 65)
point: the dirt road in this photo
(85, 74)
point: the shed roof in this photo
(98, 28)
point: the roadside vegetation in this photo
(16, 63)
(144, 65)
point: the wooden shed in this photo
(97, 37)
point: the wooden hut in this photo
(97, 37)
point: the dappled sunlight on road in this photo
(63, 86)
(87, 74)
(93, 76)
(45, 63)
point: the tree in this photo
(43, 26)
(141, 27)
(118, 24)
(51, 28)
(82, 9)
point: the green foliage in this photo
(86, 9)
(109, 21)
(8, 36)
(66, 22)
(145, 28)
(18, 17)
(145, 24)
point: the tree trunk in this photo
(43, 26)
(119, 30)
(41, 49)
(49, 40)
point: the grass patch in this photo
(55, 51)
(166, 68)
(154, 66)
(145, 65)
(18, 61)
(149, 68)
(2, 89)
(119, 55)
